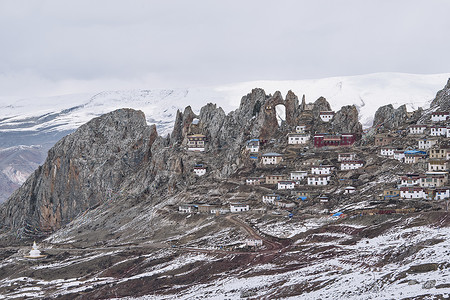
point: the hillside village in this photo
(307, 168)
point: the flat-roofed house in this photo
(274, 179)
(318, 179)
(196, 142)
(297, 138)
(439, 116)
(346, 156)
(417, 129)
(286, 185)
(326, 116)
(413, 193)
(351, 165)
(271, 158)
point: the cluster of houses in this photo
(430, 153)
(299, 184)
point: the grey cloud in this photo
(203, 42)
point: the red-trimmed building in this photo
(328, 140)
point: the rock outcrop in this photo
(346, 120)
(390, 118)
(442, 98)
(81, 171)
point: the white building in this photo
(346, 156)
(417, 129)
(349, 190)
(318, 179)
(326, 116)
(438, 131)
(186, 208)
(413, 193)
(433, 179)
(351, 165)
(411, 180)
(286, 185)
(270, 198)
(437, 165)
(427, 143)
(239, 207)
(255, 180)
(321, 170)
(300, 129)
(443, 193)
(272, 158)
(298, 175)
(439, 116)
(284, 204)
(399, 155)
(413, 158)
(253, 243)
(387, 151)
(252, 145)
(297, 138)
(199, 171)
(196, 142)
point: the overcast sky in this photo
(58, 47)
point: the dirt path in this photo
(271, 245)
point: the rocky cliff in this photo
(119, 152)
(390, 118)
(442, 98)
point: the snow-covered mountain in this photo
(66, 113)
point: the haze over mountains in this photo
(41, 122)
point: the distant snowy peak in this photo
(367, 92)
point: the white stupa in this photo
(35, 253)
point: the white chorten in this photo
(34, 251)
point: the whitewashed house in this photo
(433, 179)
(413, 193)
(286, 185)
(300, 128)
(318, 179)
(326, 116)
(255, 180)
(196, 142)
(349, 190)
(270, 198)
(297, 138)
(346, 156)
(439, 116)
(426, 144)
(410, 180)
(442, 193)
(253, 145)
(438, 131)
(387, 151)
(417, 129)
(239, 207)
(437, 165)
(351, 165)
(321, 170)
(413, 158)
(399, 155)
(284, 204)
(253, 243)
(298, 175)
(186, 208)
(271, 158)
(199, 170)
